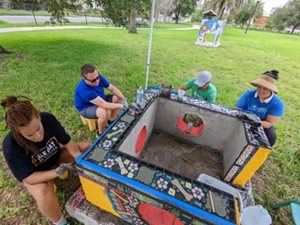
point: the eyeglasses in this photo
(93, 80)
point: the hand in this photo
(63, 167)
(77, 157)
(125, 103)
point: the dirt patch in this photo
(182, 157)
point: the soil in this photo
(182, 157)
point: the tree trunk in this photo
(4, 51)
(221, 15)
(176, 17)
(86, 22)
(294, 28)
(132, 20)
(33, 14)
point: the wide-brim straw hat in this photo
(266, 82)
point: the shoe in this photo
(98, 134)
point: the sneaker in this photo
(98, 134)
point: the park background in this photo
(44, 66)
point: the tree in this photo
(245, 12)
(164, 8)
(125, 12)
(287, 16)
(278, 18)
(57, 7)
(220, 6)
(183, 7)
(33, 3)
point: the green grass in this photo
(46, 66)
(4, 24)
(44, 13)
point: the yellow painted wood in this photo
(252, 166)
(91, 123)
(237, 212)
(95, 194)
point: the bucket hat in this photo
(265, 81)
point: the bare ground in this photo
(182, 157)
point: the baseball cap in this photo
(203, 78)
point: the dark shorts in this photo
(90, 112)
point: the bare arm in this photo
(106, 105)
(269, 122)
(73, 149)
(39, 177)
(116, 91)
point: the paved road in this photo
(42, 19)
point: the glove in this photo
(124, 103)
(63, 167)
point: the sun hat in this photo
(203, 78)
(267, 80)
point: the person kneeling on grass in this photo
(264, 103)
(91, 101)
(201, 87)
(37, 150)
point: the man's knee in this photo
(102, 114)
(116, 99)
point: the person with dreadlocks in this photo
(264, 103)
(37, 150)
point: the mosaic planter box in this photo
(117, 177)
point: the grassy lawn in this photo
(46, 66)
(14, 12)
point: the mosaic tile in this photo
(219, 204)
(127, 161)
(171, 192)
(98, 154)
(197, 193)
(188, 185)
(243, 157)
(115, 139)
(127, 118)
(231, 173)
(130, 175)
(178, 187)
(145, 175)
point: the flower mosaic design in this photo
(137, 221)
(162, 183)
(109, 163)
(133, 167)
(121, 125)
(127, 208)
(133, 201)
(107, 144)
(197, 193)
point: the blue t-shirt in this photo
(251, 104)
(85, 93)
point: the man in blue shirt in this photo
(91, 101)
(263, 102)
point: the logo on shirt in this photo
(46, 152)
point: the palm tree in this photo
(220, 5)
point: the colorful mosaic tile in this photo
(231, 173)
(193, 193)
(245, 154)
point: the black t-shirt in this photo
(23, 163)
